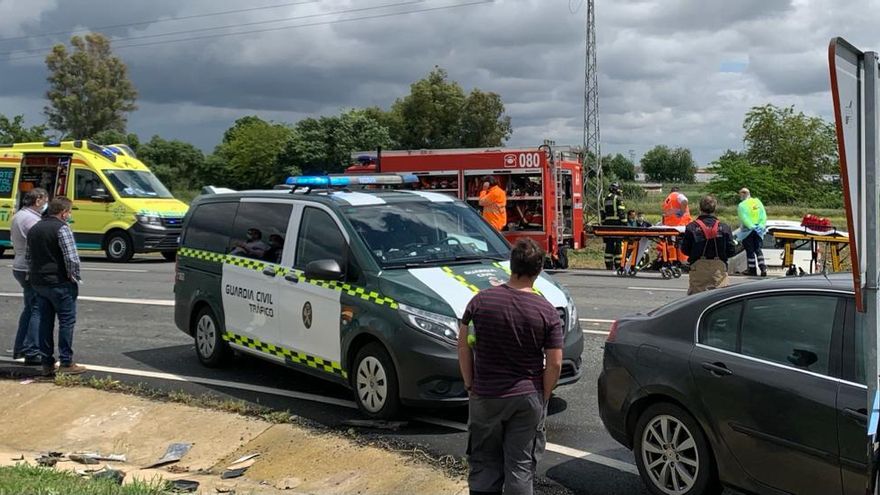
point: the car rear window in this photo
(209, 227)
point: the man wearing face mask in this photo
(53, 271)
(26, 346)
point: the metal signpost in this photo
(854, 87)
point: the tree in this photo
(734, 171)
(248, 157)
(325, 144)
(14, 131)
(669, 165)
(620, 166)
(784, 141)
(89, 90)
(179, 165)
(437, 114)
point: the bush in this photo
(634, 191)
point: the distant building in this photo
(704, 175)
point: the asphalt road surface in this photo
(125, 328)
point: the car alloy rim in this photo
(372, 384)
(205, 334)
(117, 247)
(670, 455)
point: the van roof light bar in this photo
(343, 181)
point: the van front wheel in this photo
(119, 247)
(375, 382)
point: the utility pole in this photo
(592, 164)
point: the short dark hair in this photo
(631, 211)
(526, 258)
(491, 180)
(708, 204)
(30, 198)
(59, 205)
(674, 189)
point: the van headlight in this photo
(572, 314)
(433, 324)
(149, 220)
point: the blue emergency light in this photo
(328, 181)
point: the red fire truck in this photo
(544, 187)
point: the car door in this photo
(90, 215)
(765, 372)
(311, 310)
(251, 281)
(7, 201)
(852, 407)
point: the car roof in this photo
(833, 281)
(338, 197)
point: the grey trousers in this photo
(506, 437)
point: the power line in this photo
(158, 21)
(231, 26)
(281, 28)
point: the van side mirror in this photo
(324, 270)
(101, 195)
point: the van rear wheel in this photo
(169, 255)
(211, 349)
(119, 247)
(376, 390)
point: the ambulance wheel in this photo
(211, 349)
(119, 247)
(374, 382)
(169, 255)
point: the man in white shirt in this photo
(27, 337)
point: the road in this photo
(125, 328)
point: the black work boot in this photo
(753, 272)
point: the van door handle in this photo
(717, 369)
(292, 277)
(859, 416)
(269, 271)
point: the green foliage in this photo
(632, 191)
(89, 89)
(664, 164)
(24, 478)
(14, 131)
(249, 156)
(620, 166)
(438, 114)
(179, 165)
(113, 136)
(325, 144)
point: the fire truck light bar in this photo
(325, 181)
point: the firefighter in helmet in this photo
(613, 213)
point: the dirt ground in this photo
(38, 417)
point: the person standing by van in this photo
(753, 218)
(507, 379)
(26, 346)
(54, 273)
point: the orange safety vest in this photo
(673, 212)
(496, 211)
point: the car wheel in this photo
(211, 349)
(169, 255)
(375, 382)
(119, 247)
(672, 453)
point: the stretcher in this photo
(834, 241)
(635, 241)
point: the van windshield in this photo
(402, 235)
(137, 184)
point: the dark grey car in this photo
(760, 387)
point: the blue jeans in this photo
(57, 300)
(27, 338)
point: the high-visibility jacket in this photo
(613, 209)
(675, 212)
(494, 207)
(752, 214)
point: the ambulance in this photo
(119, 206)
(362, 287)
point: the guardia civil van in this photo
(363, 287)
(119, 206)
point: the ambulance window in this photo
(319, 239)
(7, 177)
(208, 228)
(87, 184)
(260, 230)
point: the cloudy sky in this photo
(675, 72)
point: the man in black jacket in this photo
(708, 243)
(53, 271)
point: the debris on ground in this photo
(220, 488)
(232, 473)
(184, 486)
(288, 483)
(83, 458)
(49, 459)
(174, 453)
(19, 458)
(108, 473)
(177, 469)
(379, 424)
(244, 461)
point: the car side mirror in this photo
(324, 270)
(101, 195)
(802, 358)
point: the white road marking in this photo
(594, 320)
(552, 447)
(118, 300)
(659, 289)
(596, 332)
(90, 269)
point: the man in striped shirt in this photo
(516, 332)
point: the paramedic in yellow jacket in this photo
(753, 218)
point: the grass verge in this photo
(24, 479)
